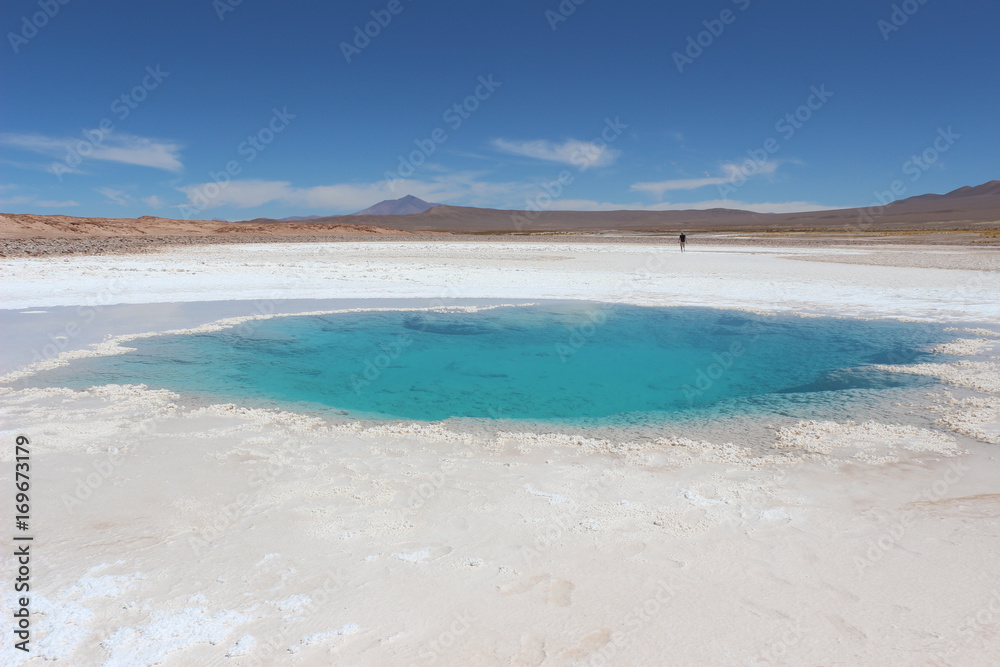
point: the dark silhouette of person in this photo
(683, 241)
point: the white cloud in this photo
(16, 200)
(659, 187)
(576, 153)
(350, 197)
(761, 207)
(23, 199)
(114, 196)
(153, 201)
(465, 188)
(732, 172)
(118, 147)
(140, 151)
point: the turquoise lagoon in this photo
(577, 363)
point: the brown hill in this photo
(24, 225)
(968, 208)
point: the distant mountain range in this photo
(407, 205)
(964, 208)
(969, 209)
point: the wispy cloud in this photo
(119, 147)
(114, 196)
(31, 199)
(153, 201)
(732, 172)
(756, 207)
(349, 197)
(574, 152)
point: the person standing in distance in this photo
(683, 241)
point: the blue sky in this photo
(239, 109)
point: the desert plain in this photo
(170, 533)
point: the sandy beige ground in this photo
(177, 536)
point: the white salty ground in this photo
(883, 283)
(223, 536)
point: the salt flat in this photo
(177, 535)
(894, 283)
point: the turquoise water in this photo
(568, 363)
